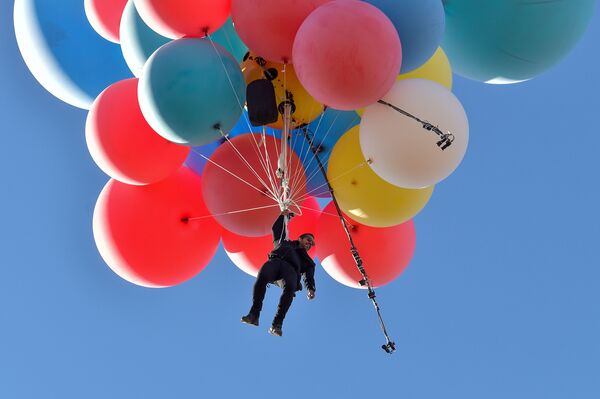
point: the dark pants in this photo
(270, 272)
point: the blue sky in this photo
(501, 299)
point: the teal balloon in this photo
(190, 90)
(64, 53)
(227, 37)
(139, 41)
(508, 41)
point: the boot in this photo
(276, 330)
(250, 318)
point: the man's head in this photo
(307, 241)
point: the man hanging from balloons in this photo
(365, 117)
(287, 262)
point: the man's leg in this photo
(289, 276)
(267, 274)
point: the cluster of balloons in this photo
(165, 85)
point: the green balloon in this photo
(190, 90)
(508, 41)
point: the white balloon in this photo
(401, 150)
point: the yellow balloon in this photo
(437, 69)
(305, 108)
(362, 194)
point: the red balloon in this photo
(123, 144)
(105, 17)
(143, 235)
(385, 251)
(250, 253)
(247, 253)
(268, 27)
(347, 54)
(307, 222)
(178, 18)
(233, 184)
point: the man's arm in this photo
(279, 233)
(309, 281)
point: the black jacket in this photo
(291, 252)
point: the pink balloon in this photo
(123, 144)
(142, 232)
(250, 253)
(178, 18)
(268, 27)
(105, 17)
(347, 54)
(233, 184)
(385, 251)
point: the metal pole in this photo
(389, 346)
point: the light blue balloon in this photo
(420, 25)
(63, 51)
(508, 41)
(196, 159)
(190, 89)
(139, 42)
(227, 37)
(326, 131)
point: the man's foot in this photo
(250, 319)
(276, 330)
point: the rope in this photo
(328, 181)
(263, 162)
(241, 156)
(234, 175)
(190, 219)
